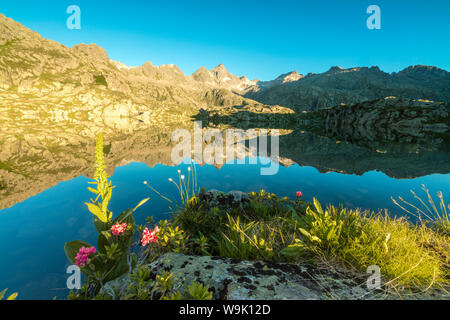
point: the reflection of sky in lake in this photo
(33, 233)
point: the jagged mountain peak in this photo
(203, 75)
(289, 77)
(281, 79)
(220, 67)
(148, 64)
(202, 69)
(335, 69)
(221, 72)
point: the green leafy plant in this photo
(264, 205)
(262, 223)
(198, 218)
(164, 284)
(201, 245)
(139, 288)
(245, 240)
(172, 237)
(197, 291)
(173, 296)
(327, 229)
(11, 297)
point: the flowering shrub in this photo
(118, 229)
(171, 238)
(149, 236)
(82, 257)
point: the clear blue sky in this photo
(258, 38)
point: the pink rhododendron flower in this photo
(118, 229)
(299, 194)
(149, 236)
(82, 257)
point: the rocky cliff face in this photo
(414, 117)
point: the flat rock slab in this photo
(232, 279)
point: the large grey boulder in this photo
(232, 279)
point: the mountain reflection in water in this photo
(33, 165)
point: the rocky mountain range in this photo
(350, 86)
(32, 65)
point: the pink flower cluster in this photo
(299, 194)
(118, 229)
(149, 236)
(82, 257)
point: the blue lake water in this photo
(33, 232)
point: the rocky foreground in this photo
(232, 279)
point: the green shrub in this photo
(170, 238)
(256, 229)
(197, 291)
(196, 218)
(100, 80)
(327, 230)
(264, 205)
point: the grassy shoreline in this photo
(281, 230)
